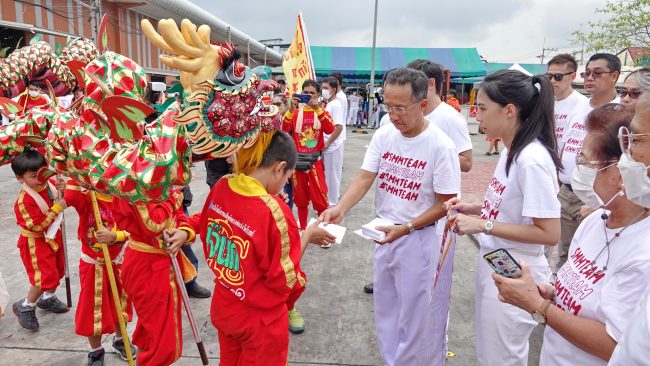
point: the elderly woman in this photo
(588, 308)
(635, 83)
(634, 348)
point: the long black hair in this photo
(533, 98)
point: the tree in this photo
(628, 25)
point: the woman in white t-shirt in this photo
(520, 212)
(606, 273)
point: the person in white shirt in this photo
(600, 77)
(333, 153)
(520, 213)
(355, 101)
(340, 94)
(630, 92)
(634, 347)
(442, 114)
(562, 72)
(417, 170)
(597, 289)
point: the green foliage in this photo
(627, 25)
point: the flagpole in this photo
(371, 114)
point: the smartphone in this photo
(503, 263)
(303, 98)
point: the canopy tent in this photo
(354, 62)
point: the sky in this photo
(501, 30)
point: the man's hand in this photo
(293, 104)
(105, 236)
(62, 203)
(463, 224)
(393, 232)
(318, 235)
(313, 103)
(284, 196)
(333, 214)
(176, 238)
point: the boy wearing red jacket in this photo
(36, 209)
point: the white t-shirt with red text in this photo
(563, 109)
(335, 109)
(571, 144)
(609, 297)
(410, 170)
(529, 191)
(453, 124)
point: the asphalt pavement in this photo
(338, 314)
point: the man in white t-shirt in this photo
(333, 152)
(340, 94)
(562, 71)
(355, 102)
(417, 169)
(442, 114)
(601, 73)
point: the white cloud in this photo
(502, 30)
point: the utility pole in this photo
(371, 114)
(544, 49)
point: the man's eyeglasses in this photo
(626, 138)
(634, 94)
(397, 110)
(595, 74)
(558, 76)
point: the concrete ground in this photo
(338, 315)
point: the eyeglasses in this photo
(595, 74)
(558, 76)
(580, 162)
(626, 139)
(634, 94)
(397, 110)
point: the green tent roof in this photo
(355, 62)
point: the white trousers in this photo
(352, 116)
(333, 161)
(403, 283)
(502, 330)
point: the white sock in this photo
(96, 349)
(27, 303)
(47, 295)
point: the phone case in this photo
(503, 263)
(304, 98)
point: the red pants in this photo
(45, 267)
(149, 282)
(251, 337)
(95, 297)
(310, 186)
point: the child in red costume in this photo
(95, 296)
(36, 209)
(148, 276)
(33, 97)
(307, 127)
(252, 244)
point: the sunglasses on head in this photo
(558, 76)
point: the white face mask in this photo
(582, 183)
(635, 180)
(34, 93)
(326, 94)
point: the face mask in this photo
(582, 183)
(635, 180)
(33, 93)
(326, 94)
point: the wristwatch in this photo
(488, 226)
(410, 226)
(540, 315)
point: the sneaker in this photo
(52, 304)
(198, 291)
(120, 349)
(369, 288)
(296, 322)
(26, 315)
(96, 358)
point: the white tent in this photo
(518, 67)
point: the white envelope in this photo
(337, 230)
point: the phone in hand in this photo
(503, 263)
(303, 98)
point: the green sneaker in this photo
(296, 323)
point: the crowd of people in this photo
(573, 174)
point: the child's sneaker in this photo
(120, 348)
(52, 304)
(96, 358)
(296, 322)
(26, 315)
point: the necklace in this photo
(609, 241)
